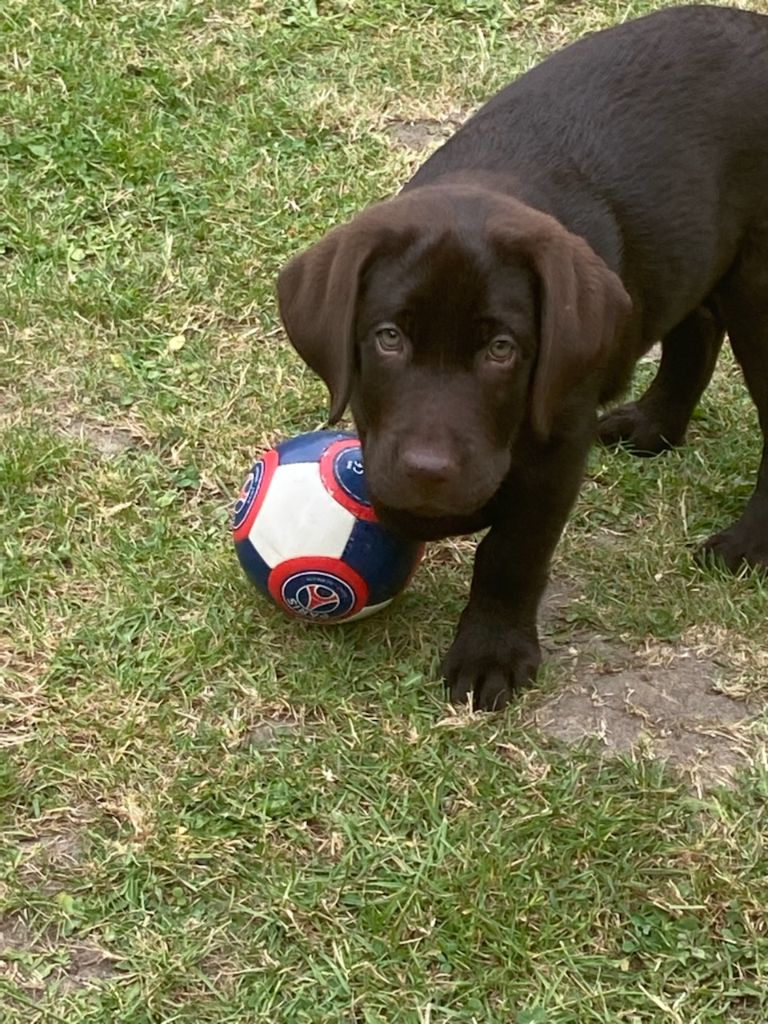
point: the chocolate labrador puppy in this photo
(615, 195)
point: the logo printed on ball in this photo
(317, 595)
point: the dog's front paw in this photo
(739, 545)
(638, 430)
(488, 661)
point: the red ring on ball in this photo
(270, 461)
(362, 510)
(283, 572)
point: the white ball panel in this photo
(299, 517)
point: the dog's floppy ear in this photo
(317, 293)
(583, 310)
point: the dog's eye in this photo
(502, 349)
(389, 340)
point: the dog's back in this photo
(651, 123)
(678, 78)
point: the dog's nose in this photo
(427, 464)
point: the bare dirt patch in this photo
(667, 704)
(674, 714)
(58, 849)
(10, 404)
(47, 861)
(36, 961)
(52, 861)
(109, 441)
(425, 133)
(268, 733)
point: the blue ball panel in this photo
(385, 562)
(254, 566)
(308, 447)
(348, 473)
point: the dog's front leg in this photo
(496, 648)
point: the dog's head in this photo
(451, 319)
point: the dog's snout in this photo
(427, 465)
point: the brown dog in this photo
(613, 196)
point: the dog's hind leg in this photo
(743, 300)
(659, 419)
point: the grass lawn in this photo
(208, 813)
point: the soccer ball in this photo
(307, 536)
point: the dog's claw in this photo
(486, 665)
